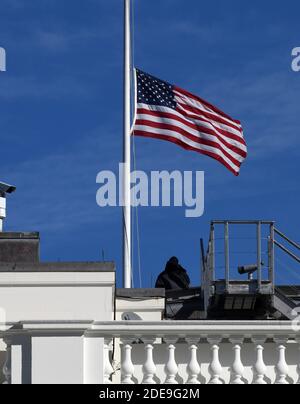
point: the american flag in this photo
(165, 111)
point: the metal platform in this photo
(241, 292)
(247, 287)
(184, 304)
(255, 297)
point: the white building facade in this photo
(63, 324)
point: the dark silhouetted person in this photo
(174, 276)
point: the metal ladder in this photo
(283, 303)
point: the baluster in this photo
(149, 368)
(171, 368)
(193, 368)
(260, 369)
(298, 368)
(282, 368)
(108, 369)
(7, 365)
(237, 367)
(127, 368)
(215, 366)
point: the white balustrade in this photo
(7, 363)
(260, 369)
(149, 368)
(193, 368)
(171, 368)
(215, 366)
(127, 368)
(108, 369)
(170, 352)
(215, 372)
(237, 367)
(282, 368)
(298, 367)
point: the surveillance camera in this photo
(247, 269)
(6, 189)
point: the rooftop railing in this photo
(209, 260)
(201, 353)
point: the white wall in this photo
(148, 309)
(59, 357)
(57, 296)
(57, 360)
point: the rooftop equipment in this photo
(4, 190)
(229, 296)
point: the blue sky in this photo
(61, 119)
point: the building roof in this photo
(140, 293)
(58, 267)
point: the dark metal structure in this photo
(246, 291)
(19, 247)
(232, 297)
(253, 298)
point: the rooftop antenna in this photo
(4, 190)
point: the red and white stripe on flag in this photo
(169, 113)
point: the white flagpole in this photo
(127, 150)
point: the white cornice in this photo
(160, 328)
